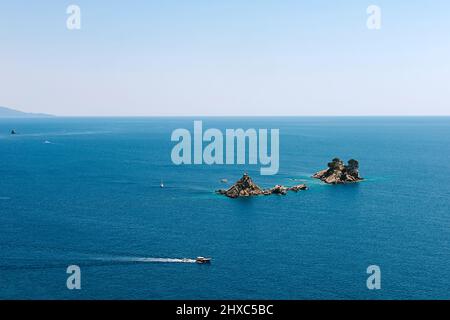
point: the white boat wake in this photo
(148, 260)
(163, 260)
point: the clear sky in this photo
(228, 57)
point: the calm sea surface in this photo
(86, 191)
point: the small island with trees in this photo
(339, 173)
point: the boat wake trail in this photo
(20, 264)
(163, 260)
(148, 260)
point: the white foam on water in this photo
(147, 260)
(163, 260)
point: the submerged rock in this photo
(245, 187)
(339, 173)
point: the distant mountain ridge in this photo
(11, 113)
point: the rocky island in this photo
(245, 187)
(339, 173)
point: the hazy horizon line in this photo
(224, 116)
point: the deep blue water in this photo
(91, 197)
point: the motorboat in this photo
(202, 260)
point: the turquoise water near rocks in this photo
(86, 191)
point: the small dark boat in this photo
(203, 260)
(13, 131)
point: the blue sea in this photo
(86, 192)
